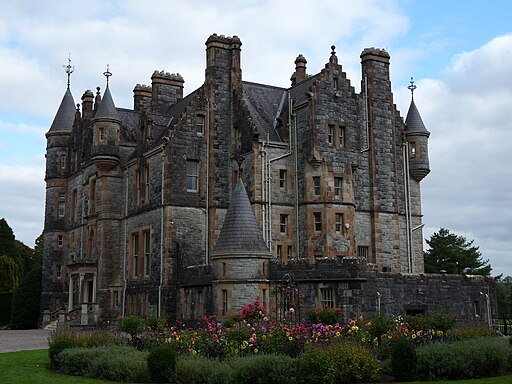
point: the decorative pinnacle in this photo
(107, 74)
(239, 160)
(69, 69)
(333, 49)
(412, 87)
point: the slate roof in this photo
(107, 107)
(240, 232)
(414, 121)
(298, 93)
(129, 124)
(65, 117)
(264, 103)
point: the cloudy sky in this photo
(458, 52)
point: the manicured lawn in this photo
(31, 367)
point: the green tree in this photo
(451, 253)
(9, 274)
(25, 302)
(504, 294)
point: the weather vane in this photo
(412, 87)
(107, 74)
(69, 69)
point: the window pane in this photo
(192, 175)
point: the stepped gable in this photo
(240, 232)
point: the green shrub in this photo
(58, 342)
(403, 360)
(264, 369)
(132, 325)
(416, 322)
(338, 363)
(162, 364)
(326, 315)
(467, 359)
(470, 333)
(201, 370)
(123, 364)
(77, 361)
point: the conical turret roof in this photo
(107, 108)
(414, 121)
(240, 232)
(65, 117)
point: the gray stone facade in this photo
(138, 201)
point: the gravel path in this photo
(11, 341)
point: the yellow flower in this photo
(338, 334)
(255, 350)
(413, 336)
(194, 352)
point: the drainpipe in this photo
(125, 242)
(162, 202)
(405, 153)
(207, 213)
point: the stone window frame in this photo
(139, 259)
(61, 205)
(317, 186)
(63, 161)
(283, 179)
(199, 124)
(330, 134)
(279, 251)
(317, 221)
(338, 222)
(338, 187)
(338, 138)
(414, 149)
(284, 220)
(193, 177)
(60, 241)
(326, 296)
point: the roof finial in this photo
(412, 87)
(107, 74)
(69, 68)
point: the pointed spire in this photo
(413, 121)
(107, 108)
(65, 116)
(240, 232)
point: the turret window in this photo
(412, 146)
(338, 181)
(317, 221)
(339, 222)
(316, 185)
(63, 162)
(101, 135)
(62, 205)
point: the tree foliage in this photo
(451, 253)
(9, 274)
(25, 302)
(504, 294)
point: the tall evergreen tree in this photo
(9, 274)
(451, 253)
(25, 302)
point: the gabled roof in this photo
(107, 108)
(414, 122)
(65, 117)
(264, 103)
(240, 232)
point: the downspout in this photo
(296, 154)
(407, 206)
(263, 193)
(125, 242)
(207, 185)
(162, 201)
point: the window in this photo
(327, 297)
(283, 223)
(101, 135)
(279, 251)
(335, 83)
(341, 136)
(143, 184)
(63, 162)
(413, 148)
(192, 176)
(60, 241)
(62, 204)
(116, 299)
(147, 252)
(362, 251)
(224, 302)
(338, 182)
(91, 245)
(330, 133)
(58, 271)
(339, 222)
(282, 179)
(135, 253)
(200, 124)
(264, 297)
(290, 251)
(316, 185)
(224, 270)
(318, 221)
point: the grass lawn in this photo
(31, 367)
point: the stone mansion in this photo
(199, 204)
